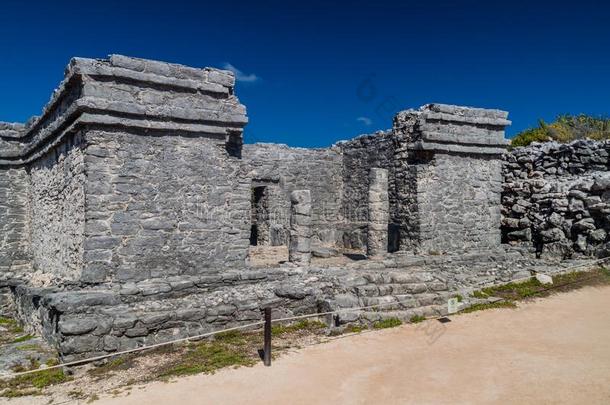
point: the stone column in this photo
(299, 248)
(379, 212)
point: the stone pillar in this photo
(450, 189)
(299, 248)
(379, 212)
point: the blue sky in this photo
(317, 72)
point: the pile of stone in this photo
(557, 197)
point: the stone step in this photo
(404, 315)
(380, 290)
(389, 302)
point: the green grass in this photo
(7, 321)
(207, 357)
(478, 294)
(12, 326)
(352, 328)
(532, 287)
(513, 292)
(491, 305)
(32, 384)
(16, 393)
(116, 364)
(23, 338)
(307, 325)
(30, 347)
(459, 297)
(355, 328)
(417, 318)
(387, 323)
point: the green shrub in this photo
(528, 136)
(565, 128)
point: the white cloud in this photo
(365, 120)
(241, 76)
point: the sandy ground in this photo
(552, 350)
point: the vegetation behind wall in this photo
(565, 128)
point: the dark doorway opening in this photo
(259, 229)
(253, 235)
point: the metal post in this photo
(267, 347)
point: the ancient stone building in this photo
(129, 207)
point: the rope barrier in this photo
(292, 318)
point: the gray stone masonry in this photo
(448, 177)
(127, 209)
(379, 205)
(282, 169)
(132, 171)
(299, 248)
(556, 198)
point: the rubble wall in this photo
(556, 197)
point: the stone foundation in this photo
(83, 322)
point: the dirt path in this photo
(554, 350)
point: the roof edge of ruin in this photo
(18, 140)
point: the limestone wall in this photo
(162, 206)
(57, 203)
(132, 165)
(359, 156)
(454, 160)
(317, 170)
(442, 162)
(556, 197)
(460, 195)
(14, 222)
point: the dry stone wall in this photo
(556, 198)
(84, 322)
(454, 154)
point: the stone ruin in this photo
(129, 209)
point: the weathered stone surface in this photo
(323, 252)
(77, 326)
(134, 200)
(378, 213)
(566, 186)
(299, 247)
